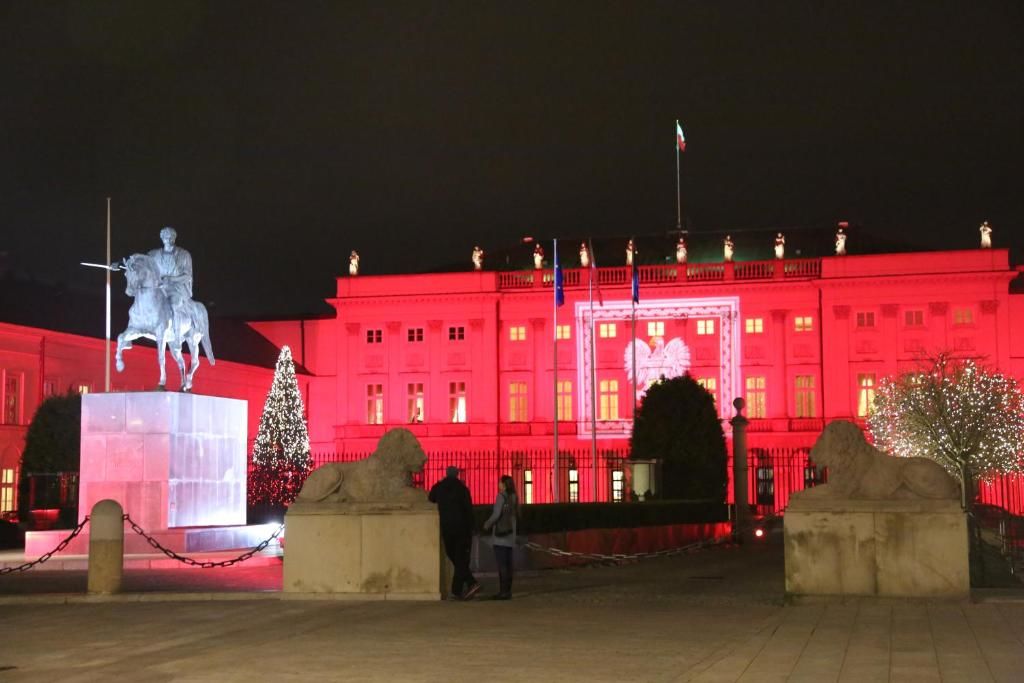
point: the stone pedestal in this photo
(363, 551)
(170, 459)
(912, 548)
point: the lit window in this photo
(414, 334)
(517, 333)
(608, 399)
(574, 485)
(564, 400)
(803, 323)
(963, 316)
(866, 319)
(517, 402)
(656, 329)
(618, 485)
(756, 397)
(606, 330)
(805, 403)
(913, 318)
(706, 326)
(528, 486)
(865, 395)
(754, 325)
(7, 490)
(374, 336)
(563, 332)
(456, 333)
(457, 401)
(711, 385)
(414, 401)
(375, 404)
(84, 388)
(11, 399)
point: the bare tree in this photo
(966, 417)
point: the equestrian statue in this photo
(163, 310)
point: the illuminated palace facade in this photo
(467, 360)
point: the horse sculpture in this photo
(152, 316)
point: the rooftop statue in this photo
(858, 470)
(353, 263)
(840, 242)
(385, 477)
(161, 283)
(728, 248)
(478, 258)
(780, 246)
(681, 251)
(986, 235)
(538, 257)
(584, 256)
(630, 252)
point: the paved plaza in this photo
(715, 615)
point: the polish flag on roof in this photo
(680, 138)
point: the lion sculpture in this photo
(856, 469)
(383, 477)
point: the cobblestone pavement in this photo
(716, 615)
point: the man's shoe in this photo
(471, 591)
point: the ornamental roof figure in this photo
(584, 256)
(538, 257)
(780, 246)
(353, 263)
(728, 248)
(840, 242)
(986, 235)
(681, 251)
(630, 251)
(478, 258)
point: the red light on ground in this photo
(759, 533)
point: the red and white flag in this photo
(680, 138)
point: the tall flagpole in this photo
(106, 345)
(593, 373)
(679, 196)
(633, 287)
(554, 365)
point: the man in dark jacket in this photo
(455, 507)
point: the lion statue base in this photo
(858, 470)
(382, 479)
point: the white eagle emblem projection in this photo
(664, 360)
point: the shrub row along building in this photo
(478, 364)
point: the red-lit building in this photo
(466, 360)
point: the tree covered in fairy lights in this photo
(280, 456)
(967, 418)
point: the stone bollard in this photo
(741, 526)
(106, 547)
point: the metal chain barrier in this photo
(43, 558)
(195, 563)
(618, 558)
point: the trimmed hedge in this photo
(555, 517)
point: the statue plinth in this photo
(893, 548)
(364, 551)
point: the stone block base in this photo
(347, 549)
(876, 548)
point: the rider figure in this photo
(175, 266)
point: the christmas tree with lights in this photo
(963, 416)
(280, 456)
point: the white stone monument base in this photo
(368, 550)
(912, 548)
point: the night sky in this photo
(276, 137)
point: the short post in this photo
(106, 547)
(741, 524)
